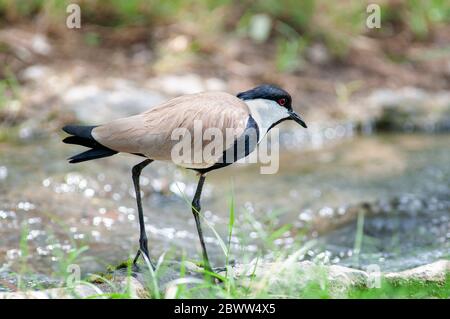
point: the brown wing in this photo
(149, 133)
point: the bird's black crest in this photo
(268, 92)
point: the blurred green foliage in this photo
(413, 289)
(9, 89)
(421, 15)
(335, 23)
(309, 16)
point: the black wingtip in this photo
(83, 131)
(91, 154)
(66, 128)
(67, 140)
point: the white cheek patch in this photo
(266, 112)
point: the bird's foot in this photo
(135, 268)
(145, 257)
(136, 258)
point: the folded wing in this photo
(151, 133)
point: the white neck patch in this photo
(266, 112)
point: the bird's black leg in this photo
(196, 211)
(143, 248)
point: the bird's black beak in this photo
(294, 116)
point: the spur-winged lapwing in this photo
(249, 116)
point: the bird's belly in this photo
(195, 165)
(194, 160)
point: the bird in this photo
(249, 115)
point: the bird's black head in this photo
(268, 92)
(281, 110)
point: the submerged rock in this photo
(410, 109)
(397, 234)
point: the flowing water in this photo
(401, 181)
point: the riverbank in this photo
(287, 279)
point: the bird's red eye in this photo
(282, 101)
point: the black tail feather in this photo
(76, 140)
(79, 130)
(82, 135)
(91, 154)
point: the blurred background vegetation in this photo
(291, 25)
(307, 46)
